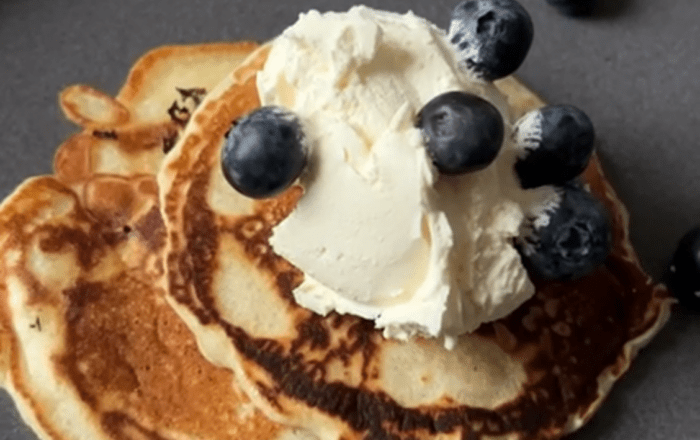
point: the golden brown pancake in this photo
(539, 373)
(89, 348)
(131, 133)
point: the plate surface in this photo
(632, 70)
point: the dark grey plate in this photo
(633, 70)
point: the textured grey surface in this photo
(633, 70)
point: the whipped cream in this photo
(378, 232)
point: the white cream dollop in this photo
(378, 233)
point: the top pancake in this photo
(89, 348)
(538, 373)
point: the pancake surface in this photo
(541, 372)
(89, 348)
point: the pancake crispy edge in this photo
(131, 134)
(89, 349)
(539, 373)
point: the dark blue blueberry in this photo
(574, 8)
(683, 274)
(491, 36)
(557, 142)
(574, 241)
(263, 153)
(462, 132)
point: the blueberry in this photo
(683, 274)
(462, 132)
(556, 143)
(491, 36)
(574, 8)
(569, 241)
(263, 153)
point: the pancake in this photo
(89, 348)
(131, 133)
(539, 373)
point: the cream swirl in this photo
(378, 233)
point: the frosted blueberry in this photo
(571, 241)
(263, 153)
(683, 274)
(491, 36)
(555, 145)
(462, 132)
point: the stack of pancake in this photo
(140, 298)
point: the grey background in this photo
(632, 68)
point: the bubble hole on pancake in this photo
(538, 373)
(89, 348)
